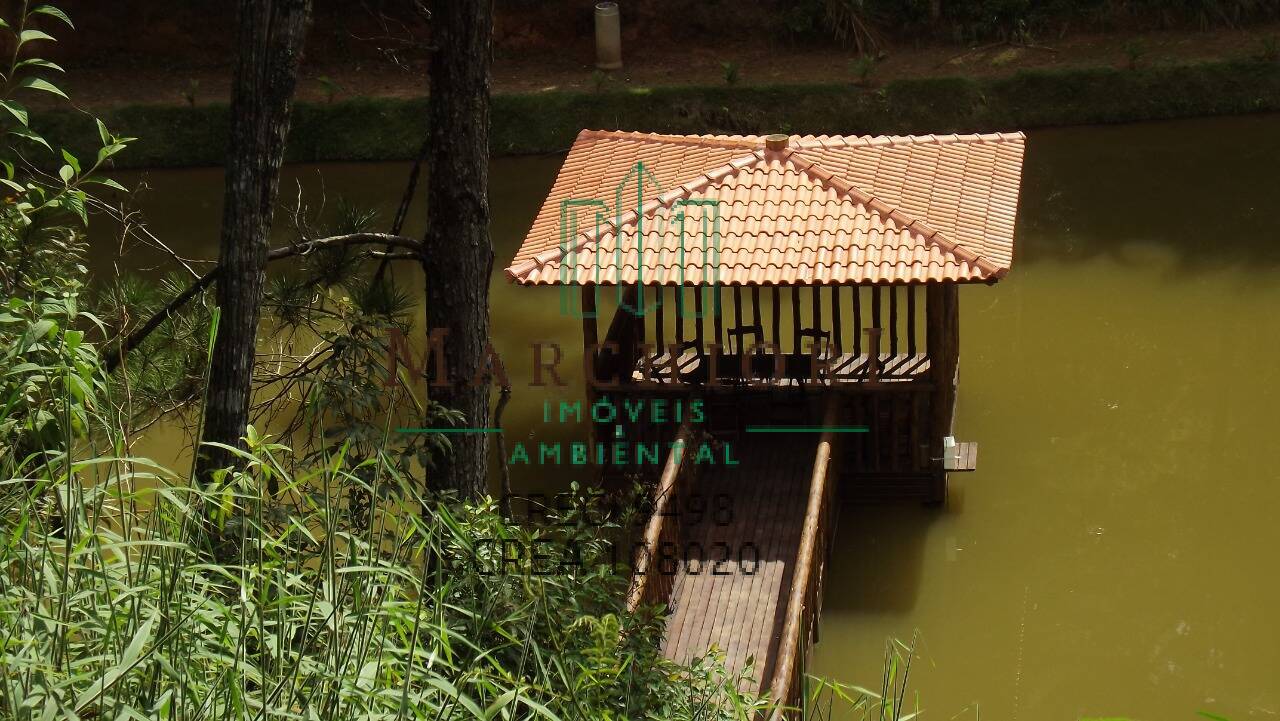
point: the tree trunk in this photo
(459, 254)
(269, 37)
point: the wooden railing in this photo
(805, 603)
(894, 309)
(651, 580)
(883, 340)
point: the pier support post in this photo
(588, 306)
(626, 332)
(943, 340)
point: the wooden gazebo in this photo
(762, 274)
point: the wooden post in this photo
(893, 321)
(877, 434)
(795, 319)
(857, 320)
(873, 355)
(638, 317)
(835, 320)
(718, 323)
(911, 319)
(630, 341)
(590, 336)
(624, 330)
(777, 318)
(679, 295)
(698, 312)
(805, 596)
(737, 306)
(590, 345)
(816, 297)
(943, 345)
(659, 321)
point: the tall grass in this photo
(155, 599)
(150, 598)
(338, 592)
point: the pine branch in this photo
(134, 339)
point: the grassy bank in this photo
(391, 128)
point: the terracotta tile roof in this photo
(825, 209)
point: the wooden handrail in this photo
(647, 585)
(806, 586)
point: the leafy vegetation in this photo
(117, 609)
(861, 23)
(42, 221)
(322, 583)
(331, 87)
(1134, 50)
(860, 68)
(730, 69)
(1270, 49)
(548, 121)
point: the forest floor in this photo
(135, 81)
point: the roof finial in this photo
(776, 141)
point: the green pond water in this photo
(1115, 552)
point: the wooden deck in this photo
(737, 555)
(735, 569)
(964, 458)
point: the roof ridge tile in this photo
(864, 141)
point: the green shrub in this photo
(860, 68)
(391, 128)
(51, 382)
(1134, 50)
(730, 72)
(1270, 48)
(311, 604)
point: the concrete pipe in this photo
(608, 36)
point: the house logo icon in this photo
(644, 227)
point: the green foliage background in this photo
(390, 128)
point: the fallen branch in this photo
(387, 239)
(134, 339)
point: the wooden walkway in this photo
(737, 558)
(737, 555)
